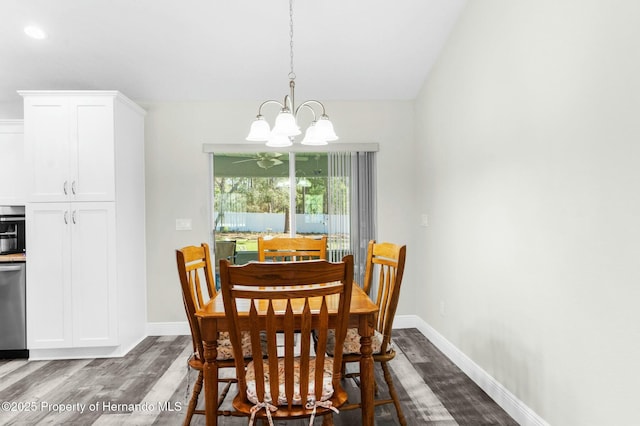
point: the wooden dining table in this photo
(213, 320)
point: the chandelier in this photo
(286, 128)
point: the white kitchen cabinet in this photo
(85, 225)
(72, 249)
(70, 154)
(12, 186)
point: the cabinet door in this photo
(12, 186)
(46, 133)
(93, 274)
(48, 276)
(70, 148)
(93, 153)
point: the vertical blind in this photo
(357, 209)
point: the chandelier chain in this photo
(286, 127)
(292, 75)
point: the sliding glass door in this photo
(301, 193)
(268, 194)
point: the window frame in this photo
(251, 148)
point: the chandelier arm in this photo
(306, 103)
(288, 103)
(268, 102)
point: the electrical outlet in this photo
(443, 308)
(424, 220)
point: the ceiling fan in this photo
(264, 160)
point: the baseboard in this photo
(517, 409)
(168, 328)
(76, 353)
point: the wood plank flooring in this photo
(150, 387)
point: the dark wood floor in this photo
(149, 387)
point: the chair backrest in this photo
(292, 249)
(289, 297)
(385, 265)
(194, 269)
(225, 250)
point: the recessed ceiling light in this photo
(35, 32)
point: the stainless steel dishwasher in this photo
(13, 334)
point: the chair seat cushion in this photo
(225, 350)
(327, 386)
(352, 342)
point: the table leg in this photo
(210, 384)
(367, 378)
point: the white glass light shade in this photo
(260, 130)
(324, 129)
(311, 136)
(279, 141)
(286, 124)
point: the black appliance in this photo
(12, 230)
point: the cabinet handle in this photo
(66, 218)
(64, 187)
(73, 187)
(73, 217)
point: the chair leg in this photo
(393, 393)
(197, 387)
(327, 420)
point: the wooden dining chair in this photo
(223, 249)
(291, 249)
(383, 276)
(196, 280)
(289, 297)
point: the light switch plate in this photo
(183, 224)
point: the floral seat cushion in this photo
(225, 350)
(352, 342)
(327, 387)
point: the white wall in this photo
(177, 179)
(528, 141)
(11, 110)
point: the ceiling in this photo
(192, 50)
